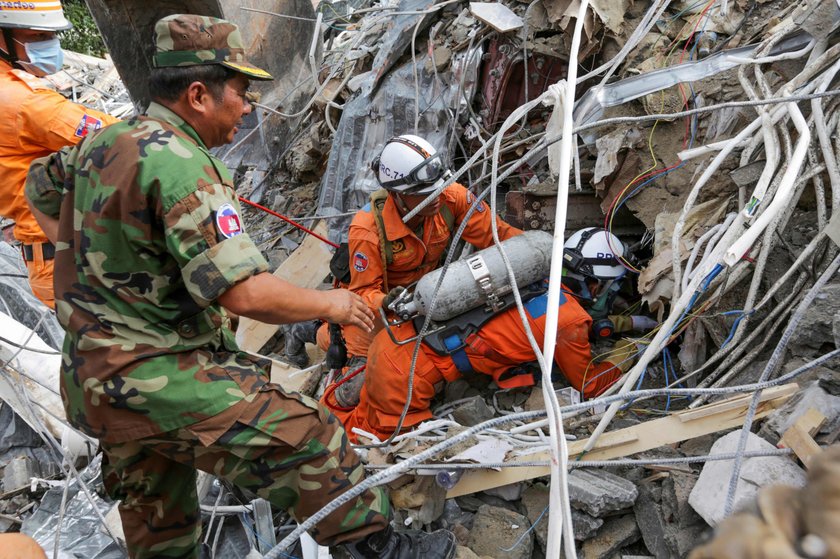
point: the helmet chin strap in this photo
(10, 56)
(403, 207)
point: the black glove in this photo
(392, 296)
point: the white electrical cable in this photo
(783, 193)
(554, 292)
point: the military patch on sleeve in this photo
(227, 222)
(360, 262)
(87, 125)
(471, 199)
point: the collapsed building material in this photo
(307, 266)
(707, 497)
(623, 442)
(448, 75)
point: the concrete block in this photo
(614, 535)
(649, 518)
(509, 492)
(816, 333)
(669, 526)
(598, 492)
(17, 473)
(473, 412)
(709, 494)
(496, 529)
(535, 499)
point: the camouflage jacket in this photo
(149, 238)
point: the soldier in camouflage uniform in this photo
(150, 251)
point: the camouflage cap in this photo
(190, 40)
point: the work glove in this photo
(623, 354)
(391, 297)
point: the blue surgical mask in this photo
(45, 57)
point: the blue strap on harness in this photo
(456, 347)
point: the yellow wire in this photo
(650, 139)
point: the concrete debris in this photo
(472, 412)
(680, 189)
(820, 329)
(615, 534)
(597, 492)
(500, 533)
(496, 15)
(709, 494)
(535, 500)
(669, 526)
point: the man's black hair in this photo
(167, 84)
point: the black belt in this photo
(48, 250)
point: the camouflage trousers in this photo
(285, 448)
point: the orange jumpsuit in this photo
(35, 121)
(414, 257)
(498, 347)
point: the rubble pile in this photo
(705, 132)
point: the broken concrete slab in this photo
(510, 492)
(496, 529)
(816, 333)
(614, 535)
(18, 473)
(598, 492)
(709, 494)
(472, 412)
(668, 524)
(535, 499)
(496, 15)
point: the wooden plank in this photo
(648, 435)
(305, 267)
(799, 437)
(733, 403)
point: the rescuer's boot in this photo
(411, 544)
(349, 392)
(297, 336)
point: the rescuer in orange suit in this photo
(34, 121)
(500, 347)
(408, 169)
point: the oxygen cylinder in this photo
(482, 278)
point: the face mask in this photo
(45, 57)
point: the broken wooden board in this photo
(305, 267)
(800, 436)
(639, 438)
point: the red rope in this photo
(288, 220)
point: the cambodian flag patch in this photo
(360, 262)
(87, 125)
(227, 221)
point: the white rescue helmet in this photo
(408, 164)
(40, 15)
(592, 253)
